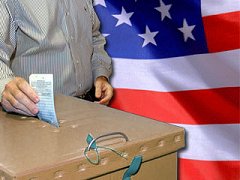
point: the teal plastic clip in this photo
(90, 140)
(92, 145)
(133, 168)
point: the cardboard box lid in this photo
(32, 148)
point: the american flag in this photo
(178, 61)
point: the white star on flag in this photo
(164, 10)
(148, 37)
(100, 2)
(187, 30)
(106, 35)
(124, 17)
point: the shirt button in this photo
(85, 8)
(80, 85)
(77, 62)
(67, 13)
(71, 38)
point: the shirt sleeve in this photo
(7, 44)
(101, 62)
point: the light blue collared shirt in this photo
(59, 37)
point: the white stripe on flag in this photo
(204, 71)
(213, 7)
(212, 142)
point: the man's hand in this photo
(19, 97)
(103, 90)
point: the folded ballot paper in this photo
(43, 85)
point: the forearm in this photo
(101, 62)
(7, 43)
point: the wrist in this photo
(102, 78)
(3, 82)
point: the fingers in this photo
(103, 91)
(98, 90)
(27, 90)
(19, 97)
(9, 108)
(106, 97)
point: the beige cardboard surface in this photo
(31, 148)
(162, 168)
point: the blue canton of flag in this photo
(150, 29)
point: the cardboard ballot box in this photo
(32, 149)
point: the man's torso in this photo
(54, 37)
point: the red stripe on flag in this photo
(204, 170)
(222, 31)
(211, 106)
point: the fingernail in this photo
(36, 99)
(35, 110)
